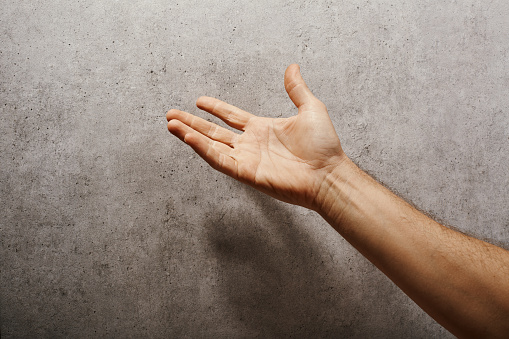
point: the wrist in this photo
(336, 190)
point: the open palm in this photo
(285, 158)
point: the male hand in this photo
(288, 159)
(300, 160)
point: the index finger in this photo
(231, 115)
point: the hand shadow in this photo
(280, 278)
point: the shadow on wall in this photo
(284, 275)
(280, 280)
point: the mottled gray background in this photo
(111, 227)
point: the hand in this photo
(288, 159)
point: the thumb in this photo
(296, 88)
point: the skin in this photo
(462, 282)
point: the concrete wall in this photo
(110, 227)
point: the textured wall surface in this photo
(111, 227)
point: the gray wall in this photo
(111, 227)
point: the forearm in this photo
(462, 282)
